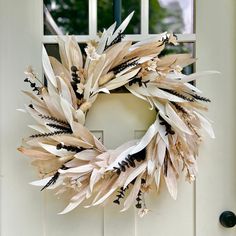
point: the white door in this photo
(27, 212)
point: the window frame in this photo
(182, 38)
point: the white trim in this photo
(92, 18)
(182, 38)
(144, 17)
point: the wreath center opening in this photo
(119, 117)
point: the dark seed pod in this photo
(122, 167)
(130, 162)
(118, 171)
(59, 146)
(117, 201)
(74, 68)
(125, 163)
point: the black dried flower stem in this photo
(33, 86)
(122, 191)
(54, 178)
(51, 118)
(118, 39)
(139, 200)
(192, 98)
(165, 39)
(59, 127)
(74, 74)
(76, 80)
(165, 165)
(140, 197)
(139, 81)
(69, 148)
(179, 108)
(36, 78)
(50, 134)
(200, 98)
(180, 95)
(120, 195)
(130, 161)
(124, 65)
(168, 127)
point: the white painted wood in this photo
(80, 221)
(92, 18)
(216, 184)
(145, 17)
(21, 28)
(167, 216)
(182, 38)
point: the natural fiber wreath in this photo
(71, 160)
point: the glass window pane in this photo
(70, 16)
(171, 15)
(53, 50)
(105, 15)
(134, 26)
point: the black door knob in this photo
(228, 219)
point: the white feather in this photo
(48, 68)
(151, 132)
(53, 149)
(206, 125)
(171, 182)
(161, 151)
(133, 194)
(198, 75)
(137, 171)
(73, 205)
(121, 28)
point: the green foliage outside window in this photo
(72, 16)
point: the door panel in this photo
(167, 216)
(80, 221)
(20, 45)
(216, 183)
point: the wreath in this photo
(72, 161)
